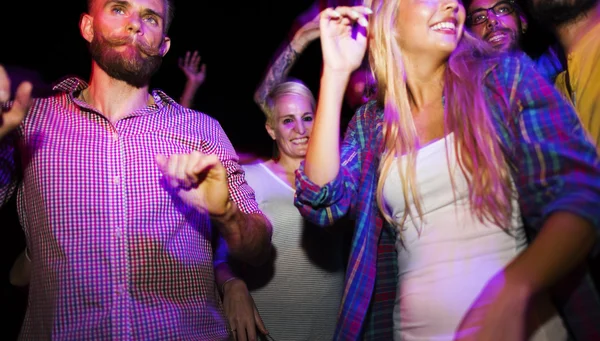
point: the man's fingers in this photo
(22, 99)
(206, 163)
(191, 177)
(161, 161)
(186, 170)
(4, 85)
(167, 166)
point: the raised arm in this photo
(288, 54)
(195, 74)
(343, 51)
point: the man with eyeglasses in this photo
(502, 23)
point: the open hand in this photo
(344, 37)
(190, 65)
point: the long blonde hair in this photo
(477, 146)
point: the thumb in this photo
(259, 322)
(22, 99)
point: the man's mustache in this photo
(140, 45)
(495, 30)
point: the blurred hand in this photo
(189, 65)
(344, 37)
(199, 179)
(241, 311)
(308, 31)
(11, 119)
(498, 313)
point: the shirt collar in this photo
(74, 84)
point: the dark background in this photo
(236, 40)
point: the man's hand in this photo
(200, 180)
(241, 311)
(11, 119)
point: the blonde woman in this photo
(298, 291)
(437, 173)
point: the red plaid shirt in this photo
(115, 255)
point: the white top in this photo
(297, 294)
(447, 260)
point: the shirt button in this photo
(121, 289)
(116, 137)
(116, 180)
(118, 232)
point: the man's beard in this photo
(558, 12)
(135, 70)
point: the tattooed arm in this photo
(282, 64)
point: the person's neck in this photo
(114, 98)
(288, 164)
(571, 32)
(425, 83)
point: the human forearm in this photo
(323, 156)
(563, 243)
(223, 275)
(189, 92)
(276, 74)
(248, 236)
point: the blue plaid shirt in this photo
(554, 167)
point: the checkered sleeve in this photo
(558, 166)
(239, 190)
(325, 205)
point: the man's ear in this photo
(270, 130)
(166, 45)
(523, 23)
(86, 27)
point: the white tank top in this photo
(447, 260)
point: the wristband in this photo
(227, 281)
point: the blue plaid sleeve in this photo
(557, 166)
(325, 205)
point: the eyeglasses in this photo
(481, 15)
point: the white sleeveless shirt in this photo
(445, 262)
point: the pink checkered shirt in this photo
(115, 255)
